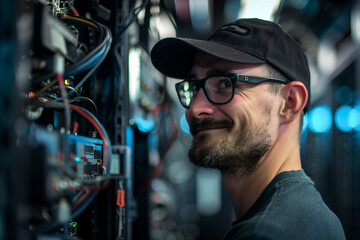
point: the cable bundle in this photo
(58, 95)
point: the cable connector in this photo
(64, 211)
(59, 64)
(120, 198)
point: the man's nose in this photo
(200, 106)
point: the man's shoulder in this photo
(293, 210)
(280, 227)
(297, 199)
(298, 208)
(295, 192)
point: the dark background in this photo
(167, 197)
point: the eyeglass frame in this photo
(234, 77)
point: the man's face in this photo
(233, 137)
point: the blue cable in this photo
(88, 64)
(97, 56)
(84, 205)
(105, 135)
(102, 58)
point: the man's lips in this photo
(200, 130)
(209, 125)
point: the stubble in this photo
(237, 152)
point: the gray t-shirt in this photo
(289, 208)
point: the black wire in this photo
(131, 14)
(70, 70)
(39, 78)
(70, 91)
(102, 58)
(56, 90)
(79, 23)
(170, 15)
(129, 20)
(53, 105)
(88, 102)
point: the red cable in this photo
(106, 143)
(75, 12)
(84, 198)
(92, 190)
(73, 9)
(76, 127)
(60, 80)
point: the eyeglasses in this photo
(218, 89)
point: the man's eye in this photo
(224, 83)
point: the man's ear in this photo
(295, 97)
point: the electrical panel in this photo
(78, 122)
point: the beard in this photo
(238, 153)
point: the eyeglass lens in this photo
(186, 91)
(218, 89)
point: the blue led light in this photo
(144, 125)
(342, 118)
(305, 123)
(184, 124)
(77, 159)
(320, 119)
(354, 118)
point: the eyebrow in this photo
(210, 73)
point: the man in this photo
(245, 90)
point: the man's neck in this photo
(246, 189)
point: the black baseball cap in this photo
(245, 41)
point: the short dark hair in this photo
(275, 87)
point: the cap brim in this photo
(174, 56)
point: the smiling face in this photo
(235, 136)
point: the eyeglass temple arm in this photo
(257, 80)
